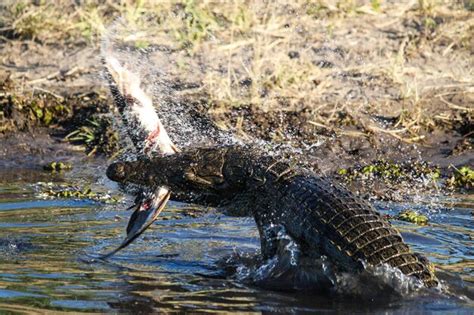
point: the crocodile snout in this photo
(117, 172)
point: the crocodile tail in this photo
(380, 243)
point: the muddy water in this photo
(47, 249)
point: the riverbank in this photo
(379, 96)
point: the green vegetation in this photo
(392, 172)
(407, 172)
(198, 25)
(47, 111)
(413, 217)
(57, 166)
(375, 4)
(48, 190)
(21, 111)
(427, 7)
(98, 135)
(469, 5)
(37, 22)
(462, 178)
(42, 108)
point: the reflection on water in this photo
(47, 251)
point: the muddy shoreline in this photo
(347, 88)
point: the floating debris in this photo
(413, 217)
(49, 190)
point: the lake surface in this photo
(47, 251)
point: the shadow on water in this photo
(48, 251)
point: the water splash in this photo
(290, 270)
(155, 66)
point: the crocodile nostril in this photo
(116, 172)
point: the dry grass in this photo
(343, 62)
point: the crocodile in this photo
(323, 217)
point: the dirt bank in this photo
(348, 85)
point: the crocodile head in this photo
(212, 174)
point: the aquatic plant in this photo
(57, 166)
(47, 111)
(69, 191)
(412, 216)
